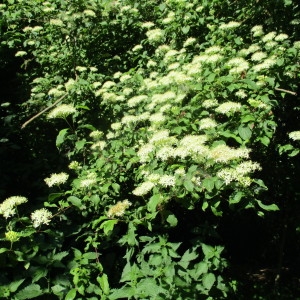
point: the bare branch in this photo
(44, 110)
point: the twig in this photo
(44, 110)
(286, 91)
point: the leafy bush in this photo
(167, 113)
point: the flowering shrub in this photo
(168, 113)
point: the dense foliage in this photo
(138, 139)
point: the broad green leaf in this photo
(188, 184)
(75, 201)
(2, 250)
(103, 281)
(71, 295)
(54, 196)
(39, 273)
(61, 137)
(13, 286)
(153, 202)
(90, 255)
(80, 144)
(245, 132)
(185, 29)
(172, 220)
(60, 255)
(208, 280)
(208, 183)
(271, 207)
(208, 251)
(188, 256)
(29, 292)
(247, 119)
(108, 225)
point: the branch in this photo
(286, 91)
(44, 110)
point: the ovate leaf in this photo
(208, 280)
(30, 292)
(61, 137)
(71, 294)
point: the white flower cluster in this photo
(41, 216)
(134, 101)
(238, 65)
(210, 103)
(223, 153)
(230, 25)
(8, 206)
(294, 135)
(96, 134)
(62, 111)
(56, 179)
(167, 180)
(258, 56)
(189, 41)
(155, 35)
(100, 145)
(207, 123)
(118, 209)
(238, 174)
(257, 30)
(228, 107)
(144, 188)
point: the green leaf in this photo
(60, 255)
(245, 132)
(247, 119)
(103, 281)
(208, 183)
(153, 202)
(208, 280)
(188, 184)
(13, 286)
(80, 144)
(185, 29)
(54, 196)
(108, 226)
(39, 273)
(75, 201)
(188, 256)
(29, 292)
(271, 207)
(2, 250)
(71, 294)
(172, 220)
(90, 255)
(61, 137)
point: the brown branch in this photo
(44, 110)
(286, 91)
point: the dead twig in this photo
(44, 110)
(286, 91)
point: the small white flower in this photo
(228, 107)
(269, 37)
(89, 13)
(56, 22)
(56, 179)
(155, 35)
(41, 216)
(62, 111)
(294, 135)
(144, 188)
(230, 25)
(167, 180)
(118, 209)
(241, 94)
(258, 56)
(207, 123)
(281, 37)
(147, 25)
(189, 41)
(8, 206)
(137, 48)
